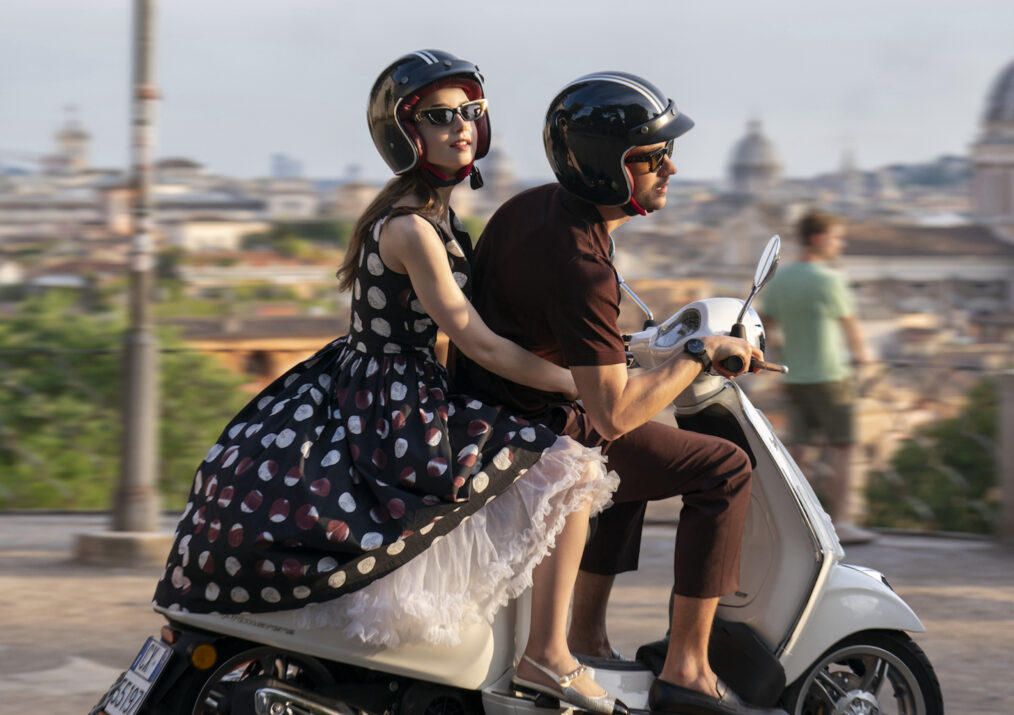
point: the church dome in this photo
(1000, 104)
(754, 151)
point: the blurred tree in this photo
(60, 401)
(945, 476)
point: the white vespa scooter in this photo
(804, 631)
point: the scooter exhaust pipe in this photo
(274, 701)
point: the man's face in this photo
(650, 188)
(829, 244)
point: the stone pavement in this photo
(67, 630)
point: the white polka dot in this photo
(528, 434)
(361, 346)
(339, 434)
(337, 580)
(392, 348)
(291, 379)
(326, 564)
(236, 429)
(253, 429)
(417, 306)
(347, 502)
(358, 290)
(460, 278)
(285, 438)
(324, 381)
(366, 565)
(376, 298)
(177, 577)
(268, 439)
(239, 595)
(502, 460)
(480, 481)
(426, 529)
(396, 548)
(357, 323)
(454, 248)
(398, 391)
(302, 412)
(371, 540)
(271, 595)
(316, 395)
(279, 406)
(301, 592)
(381, 327)
(232, 565)
(400, 447)
(212, 591)
(332, 457)
(304, 449)
(355, 424)
(374, 265)
(264, 401)
(216, 449)
(420, 325)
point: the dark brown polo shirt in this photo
(543, 278)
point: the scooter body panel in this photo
(853, 599)
(485, 653)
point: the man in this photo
(813, 306)
(544, 278)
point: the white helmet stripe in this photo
(426, 57)
(626, 82)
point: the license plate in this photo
(129, 692)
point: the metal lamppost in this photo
(136, 506)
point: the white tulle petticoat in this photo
(465, 577)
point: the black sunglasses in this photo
(442, 116)
(655, 158)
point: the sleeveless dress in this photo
(357, 491)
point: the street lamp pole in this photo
(136, 505)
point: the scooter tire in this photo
(853, 669)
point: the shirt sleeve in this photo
(584, 310)
(840, 298)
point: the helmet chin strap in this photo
(440, 180)
(632, 208)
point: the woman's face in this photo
(449, 148)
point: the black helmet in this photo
(594, 122)
(400, 87)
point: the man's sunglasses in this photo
(654, 159)
(442, 116)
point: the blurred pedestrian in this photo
(813, 306)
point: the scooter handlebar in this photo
(735, 364)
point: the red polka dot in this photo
(291, 568)
(306, 516)
(244, 464)
(321, 487)
(337, 530)
(396, 508)
(279, 511)
(436, 466)
(477, 427)
(379, 458)
(236, 535)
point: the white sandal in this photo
(601, 704)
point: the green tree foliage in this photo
(60, 408)
(326, 234)
(945, 476)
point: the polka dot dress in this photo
(347, 466)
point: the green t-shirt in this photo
(808, 300)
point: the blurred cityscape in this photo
(246, 266)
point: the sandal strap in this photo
(563, 680)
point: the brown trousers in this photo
(656, 461)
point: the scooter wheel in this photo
(212, 693)
(872, 671)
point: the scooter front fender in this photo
(853, 599)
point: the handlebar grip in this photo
(733, 363)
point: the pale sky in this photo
(892, 80)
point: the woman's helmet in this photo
(400, 87)
(595, 121)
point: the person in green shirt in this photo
(813, 306)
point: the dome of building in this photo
(754, 151)
(1000, 103)
(754, 169)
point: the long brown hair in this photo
(410, 184)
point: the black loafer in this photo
(665, 697)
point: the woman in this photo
(356, 490)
